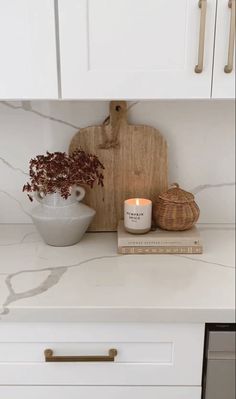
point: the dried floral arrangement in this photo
(59, 172)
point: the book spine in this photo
(155, 243)
(161, 250)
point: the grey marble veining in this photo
(27, 107)
(21, 241)
(92, 276)
(6, 163)
(40, 114)
(54, 277)
(208, 262)
(195, 190)
(203, 187)
(50, 126)
(11, 197)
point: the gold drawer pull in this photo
(48, 353)
(203, 6)
(230, 66)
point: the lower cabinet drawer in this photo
(100, 392)
(147, 354)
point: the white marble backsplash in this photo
(200, 135)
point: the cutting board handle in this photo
(113, 124)
(118, 112)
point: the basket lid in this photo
(177, 195)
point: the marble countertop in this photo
(91, 282)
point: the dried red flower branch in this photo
(59, 172)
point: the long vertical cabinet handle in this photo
(230, 66)
(203, 6)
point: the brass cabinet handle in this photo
(49, 357)
(230, 66)
(203, 6)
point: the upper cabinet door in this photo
(224, 65)
(28, 65)
(136, 49)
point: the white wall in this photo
(200, 134)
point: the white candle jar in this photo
(138, 215)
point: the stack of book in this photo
(160, 242)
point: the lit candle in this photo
(138, 215)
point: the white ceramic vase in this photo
(62, 222)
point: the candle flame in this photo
(138, 202)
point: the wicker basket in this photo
(176, 210)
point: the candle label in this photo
(134, 217)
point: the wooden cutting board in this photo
(135, 160)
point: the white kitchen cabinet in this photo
(224, 63)
(147, 354)
(28, 64)
(130, 49)
(153, 360)
(108, 49)
(21, 392)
